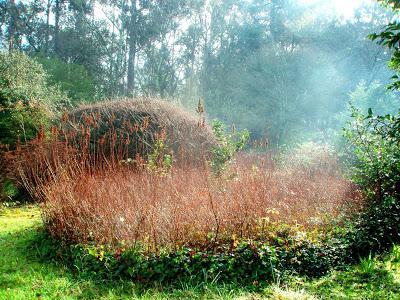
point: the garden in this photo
(142, 197)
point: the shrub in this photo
(26, 101)
(127, 219)
(131, 126)
(376, 140)
(187, 206)
(241, 261)
(228, 146)
(73, 79)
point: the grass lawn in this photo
(24, 276)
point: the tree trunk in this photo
(132, 50)
(57, 26)
(276, 24)
(47, 26)
(12, 25)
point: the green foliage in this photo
(288, 251)
(367, 265)
(9, 193)
(73, 79)
(159, 160)
(228, 146)
(390, 37)
(374, 96)
(376, 142)
(394, 4)
(246, 263)
(374, 278)
(26, 101)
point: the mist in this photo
(283, 69)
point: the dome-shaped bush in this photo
(125, 128)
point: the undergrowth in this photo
(27, 272)
(141, 217)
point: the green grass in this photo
(373, 278)
(23, 275)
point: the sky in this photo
(345, 8)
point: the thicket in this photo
(120, 213)
(27, 104)
(376, 143)
(117, 213)
(258, 223)
(118, 210)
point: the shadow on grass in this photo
(376, 282)
(27, 270)
(30, 268)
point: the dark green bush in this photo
(229, 145)
(73, 79)
(246, 263)
(243, 262)
(376, 140)
(26, 101)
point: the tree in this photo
(264, 66)
(148, 21)
(72, 79)
(158, 75)
(390, 37)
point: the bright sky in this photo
(345, 8)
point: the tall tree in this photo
(133, 31)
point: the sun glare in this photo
(345, 8)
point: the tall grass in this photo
(189, 206)
(90, 194)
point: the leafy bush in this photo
(8, 190)
(73, 79)
(27, 104)
(240, 261)
(376, 140)
(229, 146)
(377, 146)
(159, 159)
(26, 101)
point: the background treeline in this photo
(280, 68)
